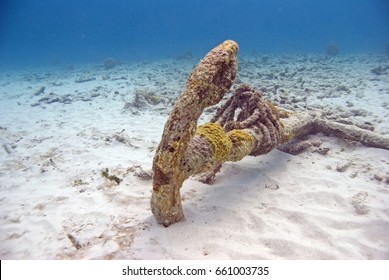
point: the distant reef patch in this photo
(332, 49)
(110, 63)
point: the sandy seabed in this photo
(62, 128)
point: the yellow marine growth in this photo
(242, 143)
(221, 144)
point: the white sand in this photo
(55, 204)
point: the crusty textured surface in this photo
(206, 86)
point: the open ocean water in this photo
(45, 32)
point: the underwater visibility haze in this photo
(76, 31)
(285, 115)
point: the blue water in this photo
(40, 32)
